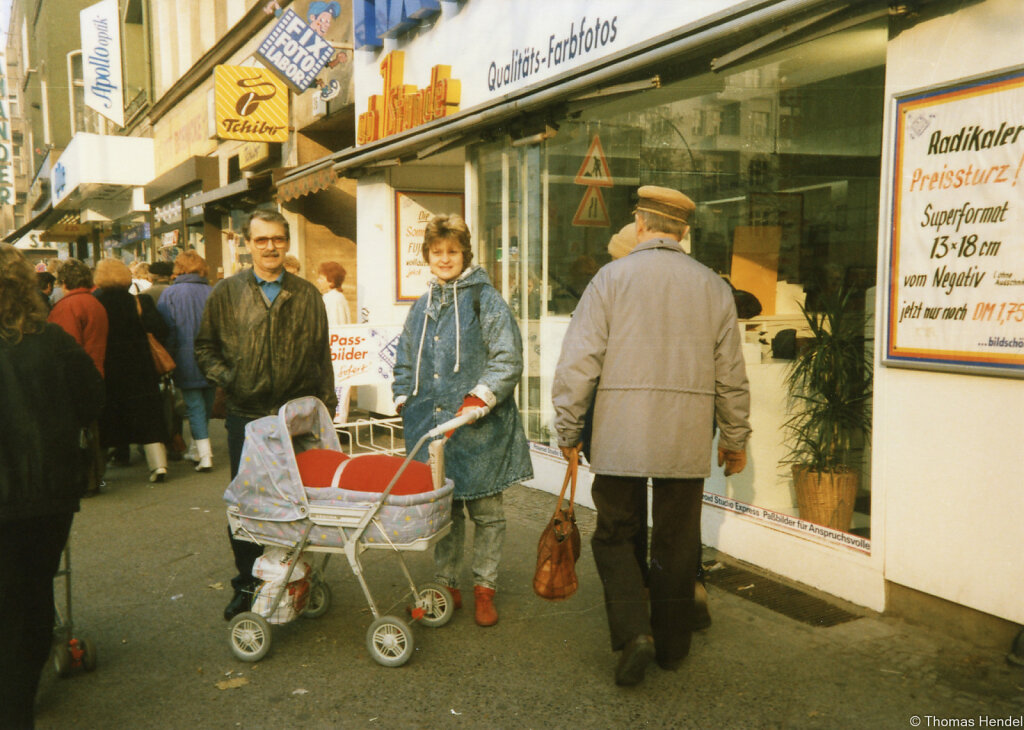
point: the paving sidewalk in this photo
(151, 568)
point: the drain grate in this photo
(776, 596)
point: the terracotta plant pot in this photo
(825, 498)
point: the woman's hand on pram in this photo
(470, 402)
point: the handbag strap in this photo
(570, 475)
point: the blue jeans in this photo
(488, 514)
(198, 406)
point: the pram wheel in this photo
(250, 636)
(389, 641)
(437, 604)
(319, 600)
(88, 654)
(62, 660)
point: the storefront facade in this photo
(775, 118)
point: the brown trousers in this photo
(667, 614)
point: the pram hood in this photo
(268, 486)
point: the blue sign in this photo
(295, 51)
(60, 180)
(375, 20)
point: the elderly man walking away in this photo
(264, 339)
(655, 341)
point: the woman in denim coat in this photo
(460, 348)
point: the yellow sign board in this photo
(251, 104)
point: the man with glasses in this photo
(264, 340)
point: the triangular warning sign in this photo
(594, 170)
(592, 210)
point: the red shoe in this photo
(486, 614)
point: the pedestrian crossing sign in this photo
(595, 170)
(592, 210)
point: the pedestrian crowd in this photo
(650, 369)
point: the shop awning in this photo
(226, 193)
(195, 169)
(575, 87)
(316, 178)
(35, 222)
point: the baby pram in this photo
(268, 504)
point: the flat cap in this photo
(665, 201)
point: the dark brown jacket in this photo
(264, 355)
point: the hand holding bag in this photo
(162, 359)
(559, 546)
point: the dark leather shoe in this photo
(701, 616)
(670, 665)
(241, 603)
(639, 652)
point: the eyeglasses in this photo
(264, 241)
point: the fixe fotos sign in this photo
(403, 107)
(295, 51)
(251, 104)
(956, 279)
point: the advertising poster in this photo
(412, 213)
(363, 354)
(299, 47)
(956, 278)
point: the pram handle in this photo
(468, 416)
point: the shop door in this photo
(512, 244)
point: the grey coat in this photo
(656, 333)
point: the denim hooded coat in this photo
(461, 338)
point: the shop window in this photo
(135, 39)
(787, 194)
(82, 117)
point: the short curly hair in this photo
(75, 274)
(445, 227)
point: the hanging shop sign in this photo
(251, 104)
(6, 150)
(402, 107)
(956, 278)
(295, 51)
(101, 60)
(412, 213)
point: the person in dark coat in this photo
(264, 339)
(49, 390)
(134, 410)
(181, 306)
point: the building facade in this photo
(786, 122)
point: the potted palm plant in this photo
(830, 410)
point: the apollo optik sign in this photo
(101, 60)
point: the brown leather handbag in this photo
(559, 546)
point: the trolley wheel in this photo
(319, 600)
(438, 605)
(88, 654)
(249, 634)
(389, 641)
(62, 659)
